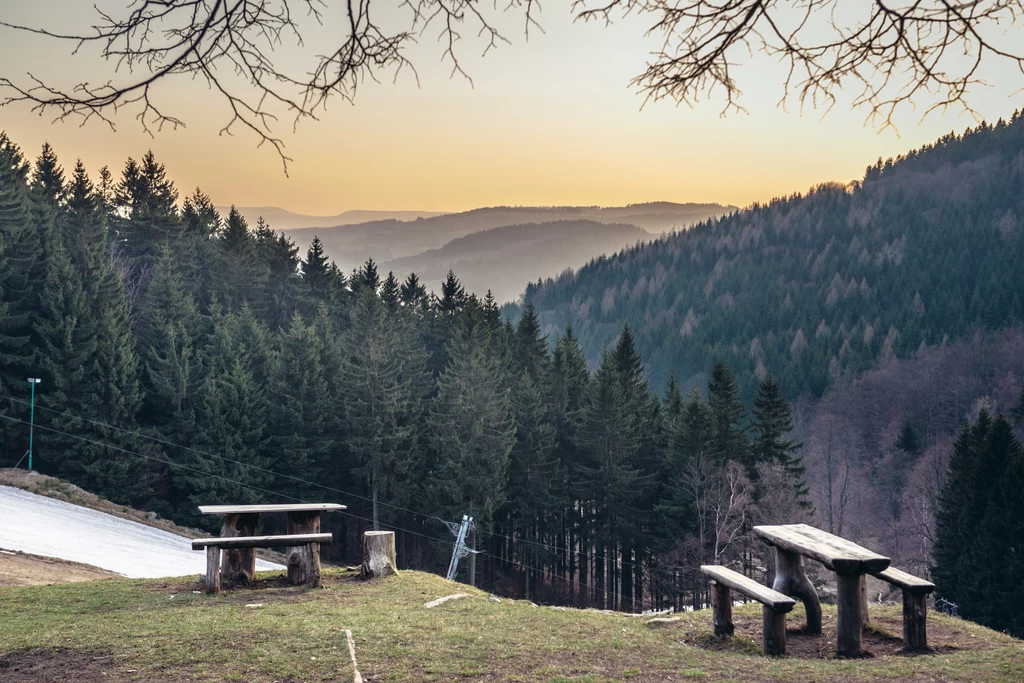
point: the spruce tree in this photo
(383, 369)
(727, 409)
(773, 423)
(303, 420)
(471, 432)
(19, 286)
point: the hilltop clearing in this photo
(162, 630)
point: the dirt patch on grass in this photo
(882, 637)
(268, 586)
(55, 666)
(23, 569)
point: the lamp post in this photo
(32, 418)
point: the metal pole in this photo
(32, 419)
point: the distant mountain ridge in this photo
(282, 219)
(813, 288)
(386, 240)
(502, 260)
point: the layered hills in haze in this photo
(282, 219)
(925, 249)
(522, 251)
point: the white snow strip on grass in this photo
(53, 528)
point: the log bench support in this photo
(304, 560)
(303, 543)
(773, 613)
(915, 606)
(850, 619)
(239, 564)
(791, 580)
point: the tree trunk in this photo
(304, 560)
(378, 554)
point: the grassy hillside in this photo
(924, 250)
(118, 630)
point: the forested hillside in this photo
(504, 260)
(188, 358)
(925, 248)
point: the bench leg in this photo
(212, 569)
(791, 580)
(850, 621)
(773, 630)
(865, 618)
(721, 609)
(304, 561)
(239, 564)
(915, 621)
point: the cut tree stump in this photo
(379, 554)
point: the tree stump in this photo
(791, 580)
(304, 560)
(239, 564)
(721, 609)
(378, 554)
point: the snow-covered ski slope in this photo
(45, 526)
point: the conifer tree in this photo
(471, 432)
(303, 421)
(19, 283)
(383, 370)
(727, 409)
(413, 293)
(147, 218)
(773, 423)
(279, 256)
(530, 347)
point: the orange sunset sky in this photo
(549, 121)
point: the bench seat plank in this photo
(834, 552)
(256, 509)
(262, 541)
(747, 586)
(907, 582)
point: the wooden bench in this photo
(848, 560)
(915, 606)
(773, 614)
(214, 546)
(239, 563)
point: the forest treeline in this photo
(188, 358)
(924, 249)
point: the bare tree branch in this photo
(919, 50)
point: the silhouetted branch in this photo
(896, 55)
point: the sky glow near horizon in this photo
(551, 121)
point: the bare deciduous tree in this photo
(897, 54)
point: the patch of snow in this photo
(53, 528)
